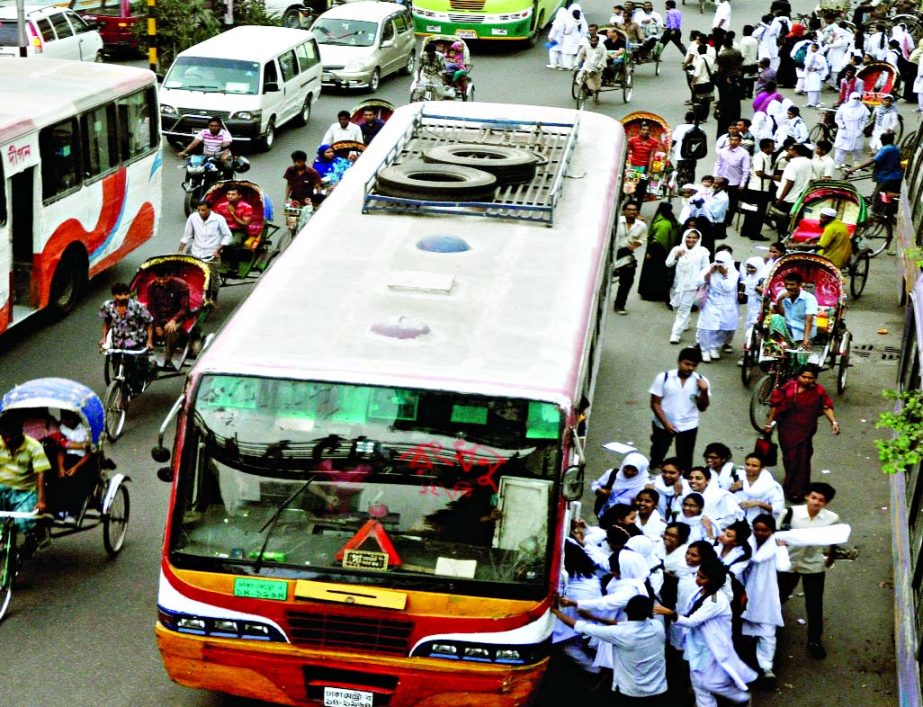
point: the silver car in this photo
(362, 42)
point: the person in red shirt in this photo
(238, 214)
(641, 154)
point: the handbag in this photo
(701, 294)
(767, 449)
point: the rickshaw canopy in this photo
(58, 393)
(841, 196)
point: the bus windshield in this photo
(363, 484)
(214, 75)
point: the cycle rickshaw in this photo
(619, 75)
(831, 342)
(457, 86)
(658, 176)
(249, 258)
(128, 372)
(39, 405)
(851, 207)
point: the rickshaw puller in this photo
(22, 483)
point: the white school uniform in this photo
(765, 490)
(763, 614)
(638, 667)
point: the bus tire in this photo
(438, 182)
(68, 282)
(509, 165)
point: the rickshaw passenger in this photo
(834, 243)
(168, 300)
(795, 310)
(22, 483)
(237, 213)
(615, 55)
(72, 483)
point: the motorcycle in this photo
(203, 172)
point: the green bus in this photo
(484, 19)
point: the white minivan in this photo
(52, 32)
(253, 78)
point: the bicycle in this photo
(128, 380)
(825, 128)
(10, 554)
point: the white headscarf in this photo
(853, 109)
(749, 280)
(644, 546)
(632, 565)
(622, 483)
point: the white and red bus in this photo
(80, 177)
(376, 458)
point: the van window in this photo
(100, 144)
(387, 31)
(307, 55)
(45, 28)
(138, 127)
(270, 75)
(77, 22)
(214, 75)
(60, 25)
(59, 147)
(289, 65)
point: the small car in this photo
(54, 32)
(362, 42)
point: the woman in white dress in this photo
(918, 87)
(575, 30)
(850, 118)
(648, 520)
(718, 316)
(815, 71)
(751, 277)
(556, 35)
(582, 584)
(886, 120)
(631, 477)
(689, 258)
(758, 492)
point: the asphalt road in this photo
(80, 632)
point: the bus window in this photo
(289, 66)
(60, 158)
(307, 55)
(137, 129)
(100, 146)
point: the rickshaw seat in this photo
(810, 229)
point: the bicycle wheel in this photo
(751, 354)
(878, 235)
(819, 132)
(115, 521)
(116, 405)
(759, 402)
(575, 86)
(107, 369)
(859, 274)
(628, 85)
(7, 565)
(842, 369)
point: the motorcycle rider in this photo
(216, 143)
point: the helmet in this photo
(241, 165)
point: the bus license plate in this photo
(338, 697)
(466, 34)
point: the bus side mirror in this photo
(165, 473)
(572, 483)
(160, 454)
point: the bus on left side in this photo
(80, 177)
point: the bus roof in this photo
(507, 317)
(37, 92)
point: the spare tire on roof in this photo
(510, 165)
(436, 182)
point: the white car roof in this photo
(370, 10)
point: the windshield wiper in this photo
(270, 524)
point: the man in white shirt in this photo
(733, 164)
(721, 22)
(822, 163)
(677, 398)
(759, 191)
(809, 564)
(749, 49)
(342, 131)
(630, 235)
(208, 233)
(795, 177)
(638, 667)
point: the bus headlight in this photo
(483, 653)
(218, 628)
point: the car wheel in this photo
(292, 18)
(411, 64)
(266, 142)
(305, 114)
(375, 80)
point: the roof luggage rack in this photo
(534, 201)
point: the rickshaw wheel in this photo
(116, 406)
(751, 351)
(759, 403)
(842, 369)
(819, 132)
(115, 522)
(628, 85)
(859, 274)
(576, 86)
(7, 566)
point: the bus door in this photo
(22, 229)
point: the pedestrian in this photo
(918, 86)
(582, 583)
(822, 163)
(767, 34)
(850, 119)
(717, 458)
(733, 165)
(730, 94)
(848, 84)
(689, 258)
(648, 519)
(750, 278)
(786, 75)
(702, 83)
(721, 507)
(749, 48)
(885, 119)
(759, 192)
(575, 30)
(715, 668)
(622, 485)
(721, 22)
(714, 214)
(655, 281)
(766, 95)
(794, 409)
(629, 236)
(672, 31)
(555, 39)
(719, 314)
(677, 398)
(763, 615)
(815, 71)
(756, 491)
(636, 643)
(764, 75)
(809, 564)
(670, 487)
(795, 177)
(794, 126)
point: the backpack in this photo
(801, 55)
(694, 145)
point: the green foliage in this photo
(184, 23)
(904, 448)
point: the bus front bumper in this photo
(282, 673)
(488, 29)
